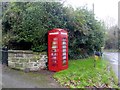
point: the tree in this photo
(28, 23)
(112, 40)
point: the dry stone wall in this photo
(26, 60)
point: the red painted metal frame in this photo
(58, 64)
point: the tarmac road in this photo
(18, 79)
(113, 58)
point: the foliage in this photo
(29, 22)
(83, 74)
(112, 40)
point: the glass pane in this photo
(53, 54)
(54, 46)
(54, 42)
(63, 46)
(64, 50)
(53, 57)
(64, 62)
(54, 62)
(64, 53)
(64, 39)
(64, 57)
(64, 43)
(53, 50)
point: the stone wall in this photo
(26, 60)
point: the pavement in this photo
(19, 79)
(113, 58)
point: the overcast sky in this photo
(105, 10)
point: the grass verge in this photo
(82, 74)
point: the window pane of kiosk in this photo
(54, 62)
(64, 50)
(54, 42)
(64, 57)
(54, 50)
(54, 46)
(53, 54)
(63, 46)
(64, 43)
(64, 53)
(64, 39)
(53, 57)
(64, 62)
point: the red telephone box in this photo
(57, 49)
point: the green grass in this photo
(83, 74)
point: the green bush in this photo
(29, 22)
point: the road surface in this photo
(18, 79)
(113, 58)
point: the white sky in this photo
(105, 10)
